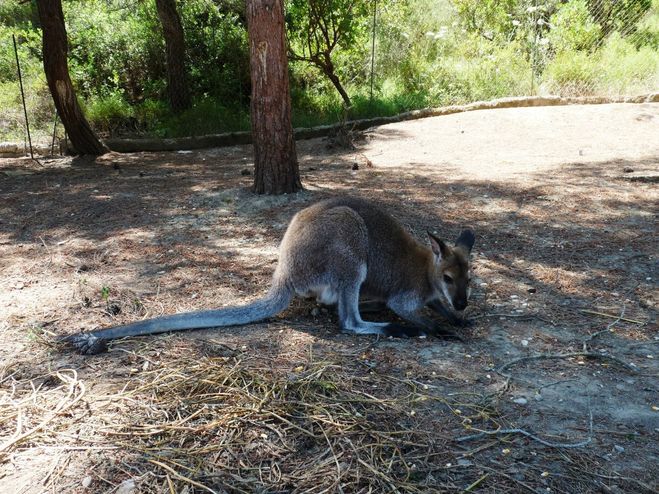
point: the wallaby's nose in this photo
(460, 304)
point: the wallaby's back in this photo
(395, 261)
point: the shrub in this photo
(109, 113)
(571, 73)
(625, 69)
(572, 28)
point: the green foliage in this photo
(428, 53)
(109, 113)
(113, 47)
(647, 30)
(571, 73)
(573, 27)
(217, 49)
(626, 69)
(332, 35)
(617, 68)
(21, 15)
(488, 18)
(620, 16)
(208, 115)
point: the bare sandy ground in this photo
(509, 143)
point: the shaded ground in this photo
(563, 200)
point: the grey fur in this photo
(334, 250)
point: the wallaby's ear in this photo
(466, 240)
(439, 248)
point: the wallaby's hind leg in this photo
(371, 306)
(348, 305)
(351, 321)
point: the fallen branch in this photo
(533, 436)
(592, 355)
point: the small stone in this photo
(126, 487)
(537, 397)
(520, 401)
(315, 312)
(86, 482)
(618, 448)
(464, 463)
(525, 342)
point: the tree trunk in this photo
(56, 67)
(275, 160)
(177, 86)
(329, 72)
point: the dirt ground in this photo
(562, 352)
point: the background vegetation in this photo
(427, 53)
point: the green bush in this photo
(207, 115)
(571, 73)
(109, 113)
(572, 28)
(624, 69)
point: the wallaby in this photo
(336, 250)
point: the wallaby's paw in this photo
(447, 334)
(397, 330)
(463, 322)
(87, 343)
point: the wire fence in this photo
(471, 50)
(448, 51)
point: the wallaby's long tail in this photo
(274, 302)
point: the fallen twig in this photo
(181, 477)
(612, 316)
(606, 330)
(593, 355)
(475, 484)
(533, 436)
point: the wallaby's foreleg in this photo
(408, 311)
(452, 318)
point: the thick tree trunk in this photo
(55, 64)
(275, 160)
(177, 86)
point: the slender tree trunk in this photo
(275, 159)
(329, 72)
(177, 86)
(56, 67)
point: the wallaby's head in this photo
(451, 268)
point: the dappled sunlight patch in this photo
(561, 279)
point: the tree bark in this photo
(275, 159)
(56, 67)
(329, 72)
(177, 86)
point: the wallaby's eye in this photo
(448, 280)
